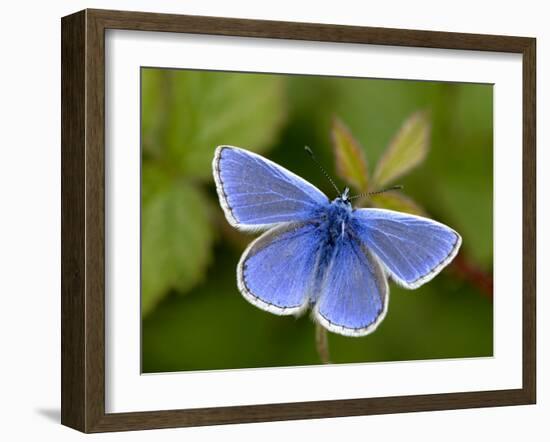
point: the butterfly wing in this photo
(354, 292)
(412, 249)
(277, 271)
(256, 193)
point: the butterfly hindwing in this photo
(277, 271)
(412, 249)
(256, 193)
(354, 293)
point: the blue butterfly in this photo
(321, 253)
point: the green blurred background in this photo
(193, 316)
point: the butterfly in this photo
(319, 253)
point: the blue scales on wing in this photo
(277, 271)
(354, 292)
(256, 193)
(412, 249)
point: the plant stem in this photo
(467, 270)
(321, 342)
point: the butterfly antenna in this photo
(397, 187)
(310, 152)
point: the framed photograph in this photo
(240, 198)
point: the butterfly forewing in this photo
(413, 249)
(256, 193)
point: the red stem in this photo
(468, 271)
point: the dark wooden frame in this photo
(83, 217)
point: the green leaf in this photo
(176, 237)
(205, 109)
(397, 201)
(351, 164)
(407, 149)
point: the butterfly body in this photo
(335, 218)
(319, 253)
(330, 229)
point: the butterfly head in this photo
(343, 200)
(345, 195)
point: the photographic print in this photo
(294, 220)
